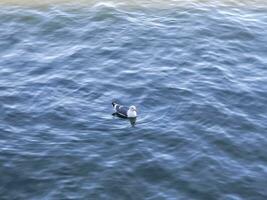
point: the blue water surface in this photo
(197, 74)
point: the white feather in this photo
(132, 112)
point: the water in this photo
(195, 70)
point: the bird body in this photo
(123, 111)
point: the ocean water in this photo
(196, 70)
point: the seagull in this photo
(124, 111)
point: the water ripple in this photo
(195, 70)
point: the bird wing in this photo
(122, 110)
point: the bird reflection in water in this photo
(131, 119)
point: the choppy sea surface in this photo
(196, 70)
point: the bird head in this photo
(133, 108)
